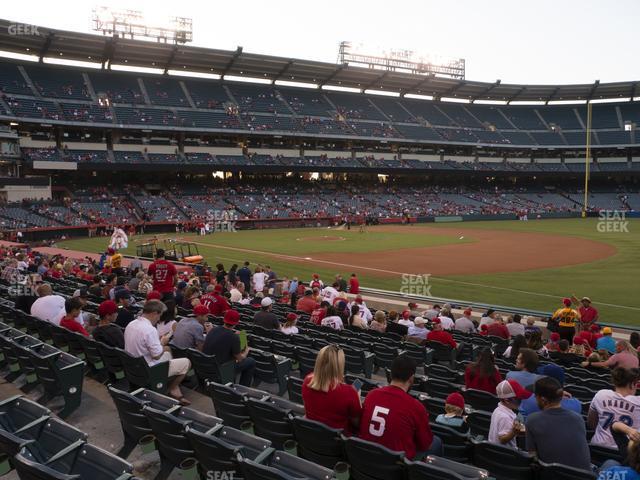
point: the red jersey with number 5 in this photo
(163, 274)
(396, 420)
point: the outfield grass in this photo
(612, 283)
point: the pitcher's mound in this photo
(321, 238)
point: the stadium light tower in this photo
(133, 24)
(400, 60)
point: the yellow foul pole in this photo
(587, 160)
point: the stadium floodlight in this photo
(134, 24)
(400, 60)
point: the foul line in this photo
(359, 267)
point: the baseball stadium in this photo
(219, 264)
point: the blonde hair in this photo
(380, 317)
(448, 408)
(290, 323)
(329, 369)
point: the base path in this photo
(492, 251)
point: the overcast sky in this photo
(517, 41)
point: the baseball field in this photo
(523, 264)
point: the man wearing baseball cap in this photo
(265, 318)
(504, 424)
(224, 343)
(106, 331)
(606, 342)
(566, 318)
(190, 331)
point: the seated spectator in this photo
(125, 313)
(529, 406)
(73, 307)
(531, 326)
(396, 420)
(454, 413)
(504, 424)
(108, 332)
(306, 304)
(190, 331)
(419, 329)
(526, 365)
(483, 374)
(513, 350)
(355, 320)
(488, 318)
(433, 312)
(625, 357)
(167, 323)
(535, 343)
(332, 320)
(379, 322)
(464, 323)
(580, 347)
(498, 329)
(405, 318)
(553, 343)
(289, 327)
(437, 334)
(619, 404)
(319, 313)
(327, 399)
(446, 319)
(514, 326)
(48, 307)
(606, 342)
(555, 434)
(141, 340)
(224, 343)
(265, 318)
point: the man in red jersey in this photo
(437, 334)
(396, 420)
(215, 301)
(164, 275)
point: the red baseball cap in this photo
(107, 308)
(154, 295)
(594, 328)
(455, 399)
(218, 288)
(554, 337)
(200, 310)
(231, 317)
(567, 302)
(436, 321)
(406, 314)
(511, 389)
(292, 316)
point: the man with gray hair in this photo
(141, 340)
(48, 307)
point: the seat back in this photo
(480, 400)
(54, 436)
(370, 461)
(294, 389)
(479, 422)
(270, 422)
(169, 431)
(208, 369)
(556, 471)
(306, 359)
(456, 445)
(442, 353)
(229, 404)
(93, 463)
(111, 360)
(30, 470)
(502, 462)
(416, 352)
(442, 372)
(439, 388)
(318, 443)
(140, 374)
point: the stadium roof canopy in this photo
(47, 42)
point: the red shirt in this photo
(474, 380)
(217, 304)
(588, 336)
(442, 337)
(71, 324)
(396, 420)
(334, 408)
(498, 330)
(163, 274)
(306, 304)
(317, 315)
(588, 314)
(354, 286)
